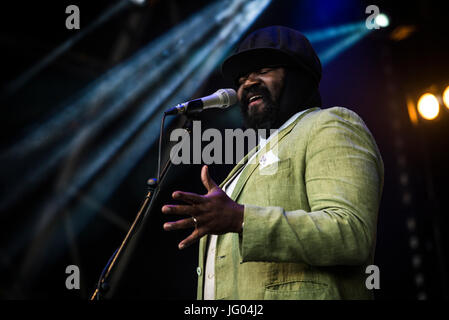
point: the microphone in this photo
(222, 99)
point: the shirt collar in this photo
(263, 141)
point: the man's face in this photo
(259, 93)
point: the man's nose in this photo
(251, 80)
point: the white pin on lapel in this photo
(268, 159)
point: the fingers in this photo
(179, 209)
(183, 224)
(206, 179)
(194, 237)
(188, 197)
(180, 224)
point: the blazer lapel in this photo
(238, 166)
(250, 167)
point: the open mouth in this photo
(254, 99)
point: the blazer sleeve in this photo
(344, 180)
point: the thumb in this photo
(206, 179)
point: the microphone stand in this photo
(153, 185)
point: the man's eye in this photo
(263, 71)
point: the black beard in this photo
(265, 118)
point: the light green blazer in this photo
(309, 224)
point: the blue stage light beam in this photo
(234, 18)
(331, 53)
(201, 64)
(100, 103)
(331, 33)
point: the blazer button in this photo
(198, 271)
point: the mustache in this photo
(255, 90)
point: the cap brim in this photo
(247, 61)
(251, 60)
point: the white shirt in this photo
(209, 275)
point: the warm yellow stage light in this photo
(446, 96)
(428, 106)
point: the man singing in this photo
(307, 229)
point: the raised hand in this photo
(212, 213)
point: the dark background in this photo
(373, 77)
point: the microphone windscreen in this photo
(228, 97)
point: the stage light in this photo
(412, 111)
(138, 2)
(382, 20)
(446, 97)
(402, 32)
(428, 106)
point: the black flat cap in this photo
(270, 47)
